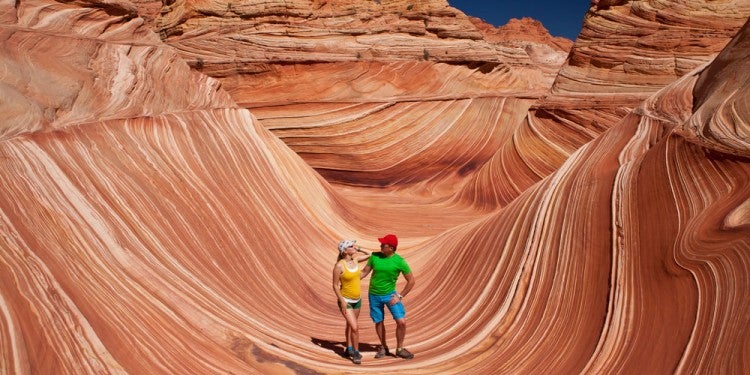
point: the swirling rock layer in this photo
(175, 179)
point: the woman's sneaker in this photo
(356, 357)
(403, 353)
(382, 352)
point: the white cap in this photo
(345, 244)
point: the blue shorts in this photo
(377, 304)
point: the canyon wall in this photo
(176, 176)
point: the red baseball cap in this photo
(389, 239)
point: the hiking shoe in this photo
(356, 357)
(349, 353)
(382, 352)
(403, 353)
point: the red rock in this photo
(174, 185)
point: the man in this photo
(386, 266)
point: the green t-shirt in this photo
(385, 272)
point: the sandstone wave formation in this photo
(176, 175)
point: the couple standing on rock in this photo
(386, 266)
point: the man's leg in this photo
(399, 315)
(380, 329)
(400, 332)
(377, 309)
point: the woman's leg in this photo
(347, 329)
(348, 334)
(352, 329)
(355, 330)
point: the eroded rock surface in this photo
(175, 178)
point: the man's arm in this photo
(410, 281)
(396, 298)
(365, 272)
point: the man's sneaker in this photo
(382, 352)
(349, 353)
(356, 357)
(403, 353)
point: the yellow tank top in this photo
(350, 283)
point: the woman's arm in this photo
(337, 271)
(364, 258)
(337, 279)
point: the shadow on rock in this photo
(339, 347)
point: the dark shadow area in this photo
(339, 347)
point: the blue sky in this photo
(561, 20)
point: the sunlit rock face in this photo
(112, 68)
(123, 247)
(627, 51)
(640, 46)
(156, 220)
(420, 71)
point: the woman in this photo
(346, 285)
